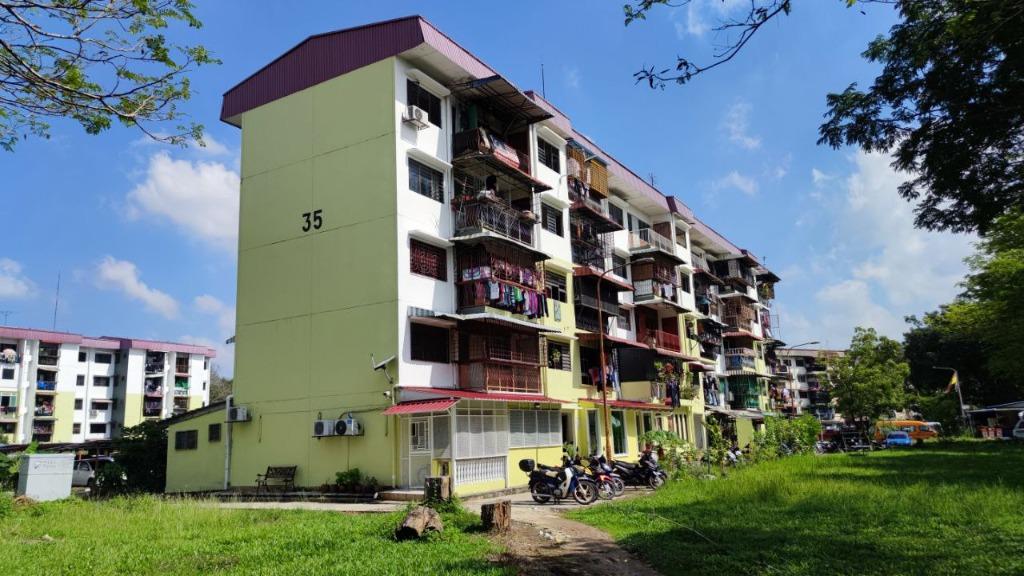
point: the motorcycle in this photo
(644, 473)
(554, 483)
(606, 475)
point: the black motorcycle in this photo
(646, 472)
(549, 483)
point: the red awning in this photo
(420, 407)
(631, 404)
(700, 367)
(741, 334)
(477, 395)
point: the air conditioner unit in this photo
(348, 427)
(417, 117)
(322, 428)
(238, 414)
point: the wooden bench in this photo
(283, 475)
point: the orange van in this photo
(918, 430)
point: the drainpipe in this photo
(229, 401)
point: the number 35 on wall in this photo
(312, 220)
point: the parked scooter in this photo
(554, 483)
(606, 486)
(606, 469)
(644, 473)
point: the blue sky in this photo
(143, 234)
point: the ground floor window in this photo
(528, 428)
(593, 442)
(618, 432)
(481, 433)
(568, 434)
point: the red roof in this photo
(612, 278)
(741, 334)
(420, 407)
(700, 367)
(608, 338)
(477, 395)
(628, 404)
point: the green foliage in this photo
(676, 454)
(96, 63)
(451, 506)
(785, 437)
(173, 537)
(9, 465)
(942, 408)
(718, 446)
(352, 480)
(868, 380)
(6, 505)
(220, 387)
(885, 512)
(141, 452)
(111, 480)
(949, 104)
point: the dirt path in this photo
(543, 541)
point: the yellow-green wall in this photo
(201, 469)
(313, 306)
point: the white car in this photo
(1018, 430)
(84, 473)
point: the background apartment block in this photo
(62, 387)
(401, 199)
(807, 372)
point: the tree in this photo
(948, 104)
(868, 380)
(96, 63)
(142, 455)
(978, 333)
(220, 387)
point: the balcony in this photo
(154, 390)
(44, 411)
(46, 385)
(741, 363)
(499, 376)
(8, 412)
(181, 368)
(152, 409)
(740, 352)
(647, 240)
(481, 154)
(610, 307)
(491, 216)
(9, 356)
(588, 210)
(735, 272)
(48, 357)
(664, 340)
(655, 293)
(180, 390)
(743, 323)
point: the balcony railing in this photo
(610, 307)
(740, 352)
(648, 239)
(738, 322)
(739, 363)
(644, 290)
(46, 385)
(181, 390)
(154, 367)
(181, 368)
(502, 220)
(8, 411)
(500, 377)
(44, 411)
(665, 340)
(48, 359)
(154, 390)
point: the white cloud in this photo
(736, 124)
(572, 77)
(819, 177)
(735, 180)
(225, 314)
(13, 283)
(122, 275)
(886, 268)
(700, 13)
(201, 198)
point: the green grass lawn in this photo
(940, 509)
(149, 536)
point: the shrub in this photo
(784, 436)
(6, 506)
(353, 481)
(675, 453)
(142, 456)
(111, 480)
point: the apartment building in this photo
(63, 387)
(806, 370)
(442, 258)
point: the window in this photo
(548, 154)
(481, 434)
(83, 357)
(429, 343)
(801, 377)
(554, 286)
(559, 356)
(427, 260)
(529, 428)
(101, 381)
(8, 374)
(800, 362)
(419, 436)
(552, 219)
(619, 266)
(419, 96)
(103, 358)
(101, 406)
(593, 439)
(426, 181)
(76, 428)
(78, 403)
(684, 283)
(618, 432)
(624, 319)
(186, 439)
(615, 213)
(80, 381)
(97, 428)
(213, 433)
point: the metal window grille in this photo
(426, 181)
(548, 155)
(428, 260)
(552, 219)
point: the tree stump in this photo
(497, 517)
(418, 521)
(437, 489)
